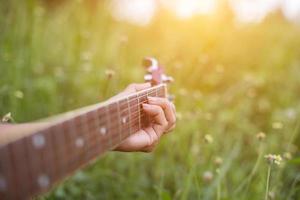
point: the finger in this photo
(174, 110)
(171, 128)
(166, 106)
(143, 140)
(135, 87)
(173, 107)
(157, 113)
(134, 142)
(153, 140)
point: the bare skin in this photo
(160, 110)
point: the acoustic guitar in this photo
(34, 159)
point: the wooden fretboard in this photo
(31, 162)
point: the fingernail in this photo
(145, 105)
(151, 98)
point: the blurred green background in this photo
(232, 82)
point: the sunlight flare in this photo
(188, 8)
(139, 12)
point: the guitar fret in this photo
(121, 111)
(91, 132)
(113, 128)
(147, 118)
(108, 127)
(129, 116)
(92, 135)
(75, 141)
(7, 174)
(59, 140)
(15, 181)
(75, 151)
(103, 124)
(119, 122)
(139, 112)
(50, 154)
(116, 138)
(46, 175)
(124, 113)
(142, 97)
(98, 137)
(69, 147)
(18, 157)
(36, 163)
(84, 132)
(134, 111)
(94, 144)
(41, 142)
(149, 92)
(124, 118)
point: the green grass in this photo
(232, 82)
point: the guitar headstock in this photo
(155, 73)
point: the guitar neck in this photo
(32, 160)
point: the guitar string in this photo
(113, 115)
(136, 98)
(128, 102)
(102, 120)
(95, 129)
(88, 137)
(91, 133)
(93, 150)
(118, 123)
(123, 110)
(133, 122)
(77, 158)
(113, 126)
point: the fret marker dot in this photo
(124, 120)
(43, 181)
(2, 184)
(38, 141)
(103, 130)
(79, 142)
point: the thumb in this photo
(135, 87)
(132, 88)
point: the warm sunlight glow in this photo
(188, 8)
(291, 9)
(139, 12)
(254, 10)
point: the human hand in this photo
(162, 114)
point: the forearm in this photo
(10, 132)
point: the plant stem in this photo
(248, 179)
(219, 191)
(268, 182)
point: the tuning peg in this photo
(167, 79)
(148, 77)
(155, 72)
(150, 63)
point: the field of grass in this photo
(237, 94)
